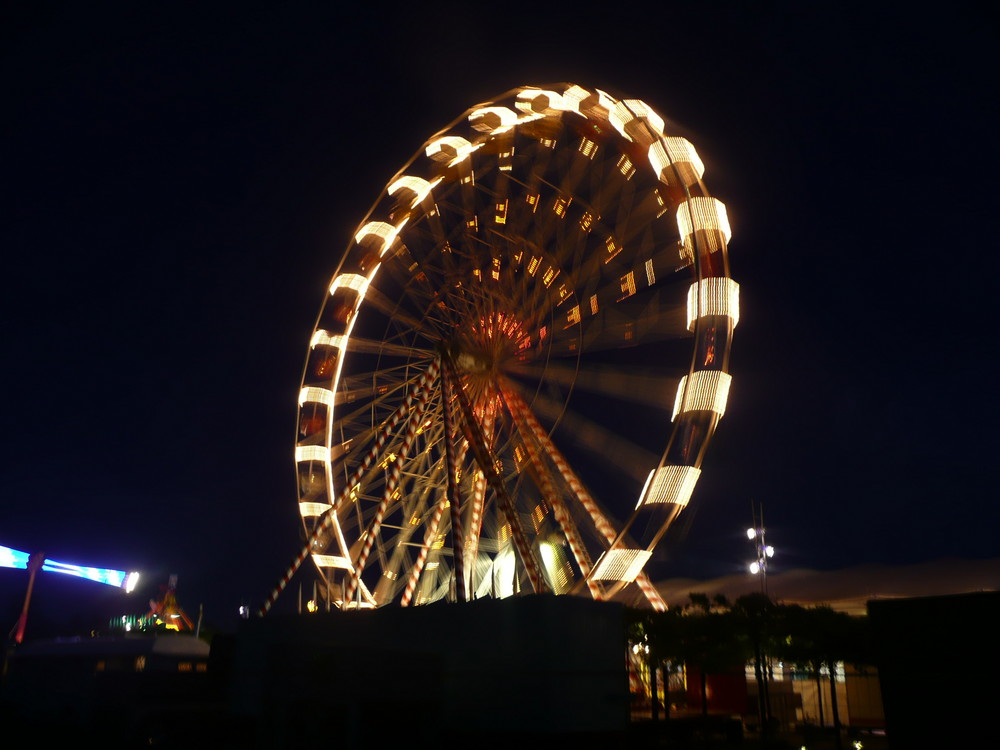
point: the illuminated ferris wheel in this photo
(536, 312)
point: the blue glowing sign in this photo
(12, 558)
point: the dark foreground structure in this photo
(527, 671)
(939, 661)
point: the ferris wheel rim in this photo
(389, 232)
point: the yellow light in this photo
(384, 234)
(494, 120)
(627, 284)
(309, 509)
(337, 562)
(672, 484)
(311, 453)
(704, 390)
(323, 338)
(588, 148)
(621, 565)
(630, 115)
(352, 281)
(713, 296)
(541, 102)
(449, 148)
(675, 161)
(419, 187)
(313, 395)
(501, 217)
(612, 247)
(707, 217)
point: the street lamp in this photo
(762, 550)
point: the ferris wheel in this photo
(536, 313)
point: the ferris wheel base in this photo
(537, 665)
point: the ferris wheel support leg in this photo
(478, 500)
(390, 488)
(484, 457)
(328, 518)
(458, 540)
(418, 566)
(604, 526)
(559, 509)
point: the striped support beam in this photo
(478, 500)
(418, 565)
(390, 488)
(484, 457)
(604, 527)
(327, 520)
(562, 515)
(454, 499)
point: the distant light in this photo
(769, 551)
(751, 533)
(754, 568)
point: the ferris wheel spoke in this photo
(418, 565)
(392, 481)
(625, 456)
(644, 388)
(611, 537)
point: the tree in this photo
(819, 636)
(754, 616)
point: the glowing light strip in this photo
(311, 453)
(350, 281)
(419, 187)
(385, 233)
(621, 565)
(673, 153)
(588, 103)
(332, 561)
(309, 509)
(713, 296)
(451, 148)
(703, 214)
(707, 390)
(12, 558)
(539, 101)
(672, 484)
(493, 120)
(313, 395)
(323, 338)
(630, 111)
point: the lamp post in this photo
(762, 550)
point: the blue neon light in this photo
(12, 558)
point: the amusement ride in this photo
(536, 312)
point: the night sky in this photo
(178, 186)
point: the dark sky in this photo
(178, 186)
